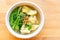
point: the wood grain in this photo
(51, 29)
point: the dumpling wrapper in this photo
(33, 19)
(24, 30)
(34, 27)
(32, 12)
(25, 9)
(28, 10)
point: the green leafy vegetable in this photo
(28, 25)
(13, 16)
(16, 18)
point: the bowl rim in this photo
(20, 35)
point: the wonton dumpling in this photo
(28, 10)
(32, 19)
(34, 27)
(32, 12)
(25, 9)
(24, 30)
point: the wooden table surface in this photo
(51, 29)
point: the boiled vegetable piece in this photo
(19, 21)
(28, 25)
(16, 17)
(13, 15)
(16, 23)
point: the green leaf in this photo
(28, 25)
(13, 16)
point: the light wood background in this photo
(51, 29)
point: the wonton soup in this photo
(24, 19)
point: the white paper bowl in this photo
(28, 35)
